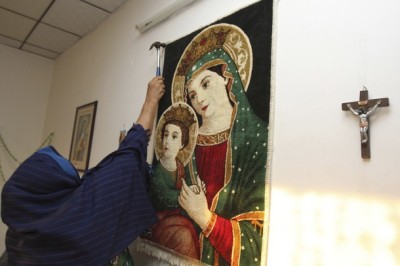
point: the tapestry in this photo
(211, 176)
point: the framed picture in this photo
(82, 135)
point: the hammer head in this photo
(157, 45)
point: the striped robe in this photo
(54, 217)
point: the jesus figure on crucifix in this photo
(363, 114)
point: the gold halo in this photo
(184, 154)
(236, 44)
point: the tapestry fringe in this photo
(161, 253)
(265, 242)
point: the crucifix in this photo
(363, 109)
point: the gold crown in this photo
(180, 113)
(205, 43)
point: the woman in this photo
(174, 145)
(54, 217)
(231, 149)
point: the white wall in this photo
(329, 207)
(25, 82)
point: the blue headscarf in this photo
(57, 218)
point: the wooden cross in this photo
(364, 108)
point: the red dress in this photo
(211, 161)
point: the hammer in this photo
(157, 45)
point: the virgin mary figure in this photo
(230, 156)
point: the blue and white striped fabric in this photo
(56, 218)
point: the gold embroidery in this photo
(256, 219)
(216, 258)
(258, 224)
(210, 225)
(180, 113)
(214, 139)
(205, 44)
(235, 259)
(254, 215)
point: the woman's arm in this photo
(155, 90)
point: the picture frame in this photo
(82, 135)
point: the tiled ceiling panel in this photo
(34, 9)
(15, 26)
(51, 38)
(74, 16)
(49, 27)
(107, 5)
(10, 42)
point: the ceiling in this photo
(49, 27)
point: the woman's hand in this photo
(155, 90)
(195, 204)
